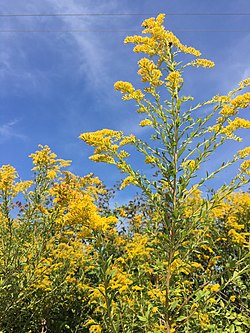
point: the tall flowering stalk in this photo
(180, 143)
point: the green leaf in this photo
(181, 318)
(231, 329)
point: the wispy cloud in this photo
(92, 53)
(8, 131)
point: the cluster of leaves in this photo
(173, 261)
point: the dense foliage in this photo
(174, 260)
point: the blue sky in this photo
(54, 86)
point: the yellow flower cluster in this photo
(107, 143)
(102, 158)
(102, 139)
(95, 329)
(241, 101)
(235, 124)
(8, 185)
(146, 122)
(207, 248)
(197, 265)
(232, 222)
(245, 167)
(174, 79)
(228, 110)
(128, 90)
(127, 140)
(138, 247)
(240, 238)
(149, 72)
(188, 165)
(160, 41)
(194, 200)
(179, 266)
(244, 152)
(245, 83)
(204, 320)
(124, 87)
(44, 156)
(212, 287)
(203, 63)
(45, 159)
(127, 181)
(143, 44)
(189, 50)
(232, 298)
(233, 210)
(221, 99)
(121, 280)
(78, 195)
(157, 294)
(151, 159)
(81, 208)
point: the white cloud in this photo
(95, 55)
(90, 50)
(8, 131)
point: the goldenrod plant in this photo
(47, 259)
(187, 263)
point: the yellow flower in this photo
(145, 122)
(174, 79)
(203, 63)
(154, 309)
(51, 174)
(190, 50)
(215, 287)
(221, 99)
(150, 159)
(127, 181)
(180, 266)
(127, 140)
(157, 294)
(102, 139)
(102, 158)
(236, 124)
(212, 300)
(149, 72)
(237, 237)
(244, 152)
(8, 185)
(188, 165)
(44, 157)
(245, 166)
(137, 288)
(120, 280)
(232, 298)
(207, 248)
(7, 177)
(245, 83)
(197, 265)
(241, 101)
(124, 87)
(232, 223)
(138, 247)
(95, 329)
(204, 320)
(160, 41)
(228, 110)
